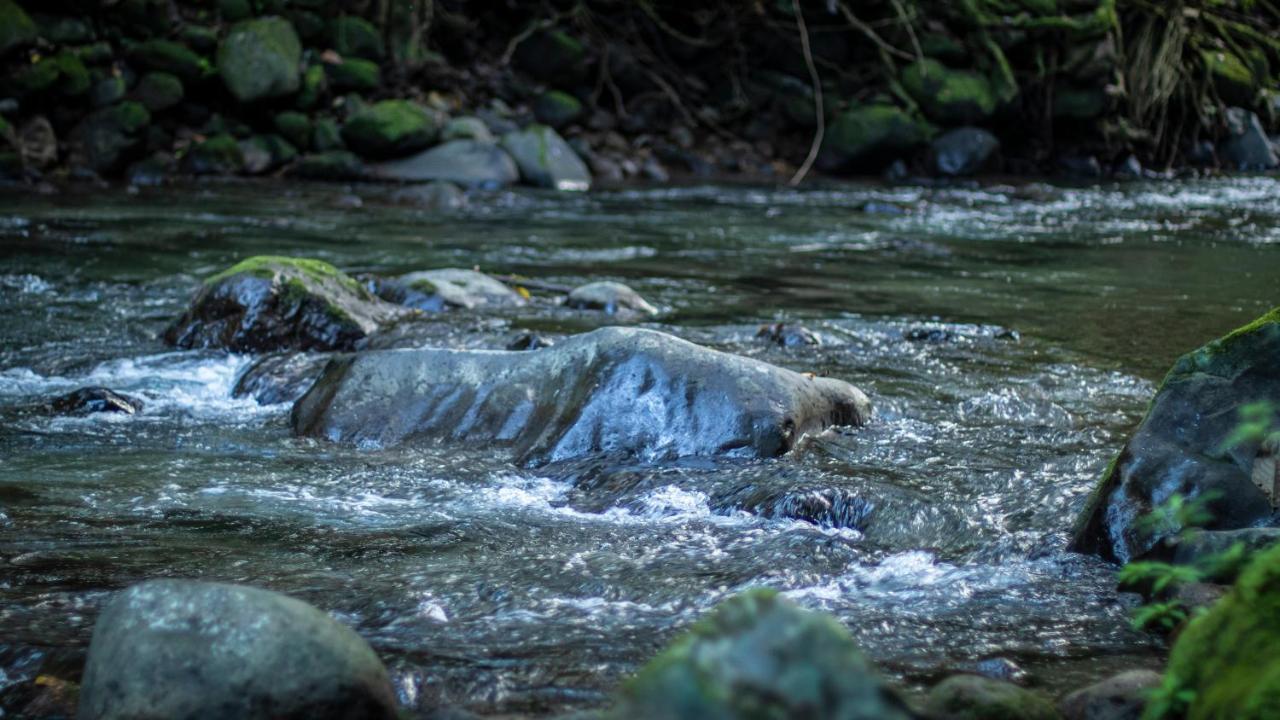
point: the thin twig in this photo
(819, 108)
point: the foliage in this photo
(1162, 617)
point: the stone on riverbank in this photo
(867, 137)
(181, 649)
(1247, 146)
(110, 137)
(973, 697)
(546, 160)
(466, 162)
(275, 303)
(259, 59)
(616, 390)
(759, 655)
(1210, 430)
(950, 97)
(962, 151)
(1224, 664)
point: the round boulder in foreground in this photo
(181, 649)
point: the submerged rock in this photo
(179, 649)
(760, 656)
(972, 697)
(276, 303)
(465, 162)
(431, 290)
(785, 335)
(619, 390)
(1210, 432)
(613, 298)
(546, 160)
(1224, 664)
(1121, 697)
(279, 378)
(88, 400)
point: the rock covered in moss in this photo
(356, 37)
(17, 29)
(259, 59)
(275, 303)
(1231, 78)
(108, 138)
(159, 91)
(1224, 664)
(170, 57)
(466, 162)
(217, 155)
(329, 165)
(973, 697)
(552, 56)
(546, 160)
(182, 649)
(1209, 432)
(867, 137)
(466, 128)
(326, 135)
(108, 91)
(295, 127)
(314, 85)
(556, 108)
(953, 97)
(391, 128)
(759, 655)
(263, 153)
(355, 74)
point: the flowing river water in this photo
(1009, 337)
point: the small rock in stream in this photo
(1121, 697)
(87, 400)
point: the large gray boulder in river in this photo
(178, 649)
(614, 390)
(1212, 432)
(270, 303)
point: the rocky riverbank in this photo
(424, 91)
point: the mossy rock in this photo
(758, 655)
(170, 57)
(556, 108)
(108, 91)
(73, 76)
(552, 56)
(235, 10)
(546, 160)
(466, 128)
(354, 74)
(259, 59)
(37, 77)
(357, 37)
(269, 303)
(108, 138)
(314, 85)
(391, 128)
(218, 155)
(159, 91)
(327, 136)
(99, 53)
(1225, 664)
(295, 127)
(331, 165)
(1234, 81)
(972, 697)
(63, 29)
(201, 38)
(1198, 439)
(951, 97)
(867, 137)
(17, 29)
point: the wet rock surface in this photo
(613, 298)
(274, 303)
(433, 290)
(88, 400)
(1122, 697)
(973, 697)
(185, 649)
(1207, 434)
(279, 378)
(619, 390)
